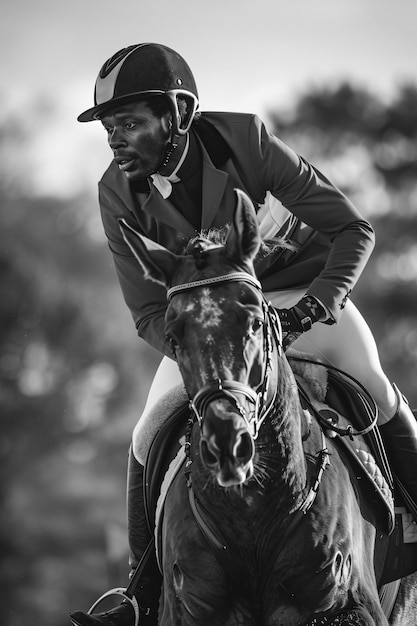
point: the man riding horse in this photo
(173, 174)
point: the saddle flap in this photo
(347, 399)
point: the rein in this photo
(364, 396)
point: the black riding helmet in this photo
(145, 70)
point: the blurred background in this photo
(336, 81)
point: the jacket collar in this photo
(214, 183)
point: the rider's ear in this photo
(244, 239)
(157, 262)
(166, 122)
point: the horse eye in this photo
(256, 324)
(172, 343)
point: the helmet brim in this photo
(97, 112)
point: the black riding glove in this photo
(299, 319)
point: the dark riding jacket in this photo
(333, 241)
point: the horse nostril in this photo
(245, 448)
(208, 455)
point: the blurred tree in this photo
(71, 384)
(369, 149)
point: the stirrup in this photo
(117, 591)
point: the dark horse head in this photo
(223, 334)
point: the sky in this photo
(245, 55)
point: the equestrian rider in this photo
(173, 173)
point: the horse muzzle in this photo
(226, 445)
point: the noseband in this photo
(232, 389)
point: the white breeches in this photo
(348, 345)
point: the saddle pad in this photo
(173, 469)
(152, 422)
(400, 556)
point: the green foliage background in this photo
(74, 376)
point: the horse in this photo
(264, 523)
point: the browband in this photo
(236, 276)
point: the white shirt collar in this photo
(164, 183)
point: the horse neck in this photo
(289, 426)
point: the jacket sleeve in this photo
(145, 299)
(312, 198)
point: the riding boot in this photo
(400, 440)
(148, 588)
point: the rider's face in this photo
(138, 139)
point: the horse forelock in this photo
(215, 237)
(208, 238)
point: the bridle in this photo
(232, 389)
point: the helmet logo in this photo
(179, 82)
(111, 63)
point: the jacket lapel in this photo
(165, 212)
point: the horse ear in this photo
(157, 262)
(244, 239)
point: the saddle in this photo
(343, 411)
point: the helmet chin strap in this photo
(167, 166)
(163, 180)
(172, 146)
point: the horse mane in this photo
(215, 237)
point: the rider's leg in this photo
(167, 377)
(149, 586)
(148, 591)
(139, 534)
(400, 438)
(350, 346)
